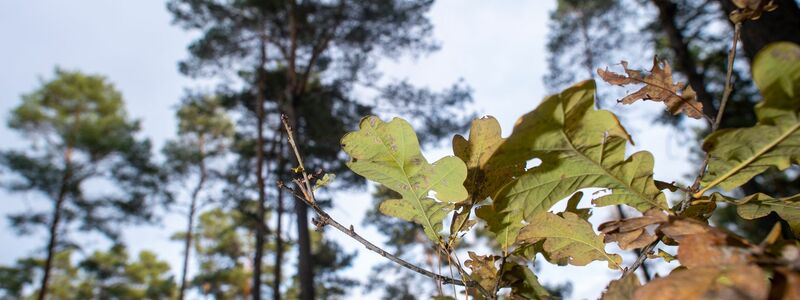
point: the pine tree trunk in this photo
(51, 244)
(278, 266)
(667, 11)
(294, 92)
(305, 262)
(187, 242)
(276, 290)
(261, 231)
(782, 24)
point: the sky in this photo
(496, 47)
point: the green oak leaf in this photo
(567, 239)
(389, 153)
(760, 205)
(579, 147)
(505, 225)
(482, 180)
(523, 283)
(737, 155)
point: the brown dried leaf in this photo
(632, 233)
(738, 282)
(622, 289)
(483, 269)
(679, 229)
(751, 9)
(785, 285)
(658, 86)
(704, 246)
(711, 249)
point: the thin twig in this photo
(640, 260)
(290, 134)
(307, 197)
(496, 287)
(325, 219)
(728, 75)
(692, 193)
(718, 120)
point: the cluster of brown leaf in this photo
(714, 264)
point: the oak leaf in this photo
(523, 283)
(760, 205)
(738, 154)
(622, 289)
(567, 239)
(579, 147)
(632, 233)
(483, 269)
(732, 283)
(659, 87)
(389, 153)
(483, 180)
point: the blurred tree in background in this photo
(79, 132)
(102, 275)
(223, 248)
(313, 61)
(204, 133)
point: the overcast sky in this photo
(497, 47)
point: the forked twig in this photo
(306, 195)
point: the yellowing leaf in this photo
(580, 147)
(389, 153)
(736, 155)
(567, 240)
(658, 86)
(483, 180)
(760, 205)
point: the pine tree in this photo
(79, 131)
(204, 132)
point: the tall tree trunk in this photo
(306, 263)
(51, 244)
(294, 92)
(187, 241)
(782, 24)
(276, 291)
(667, 11)
(278, 271)
(261, 230)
